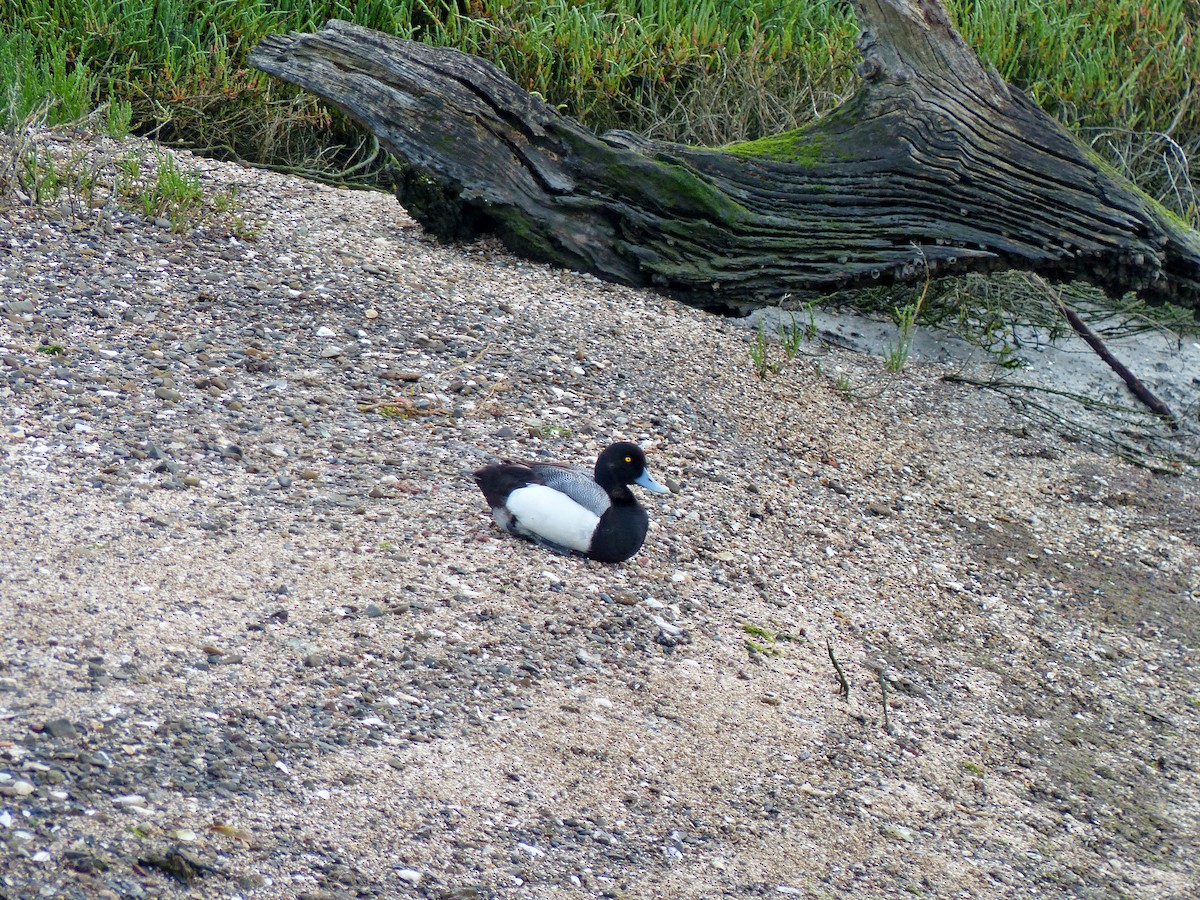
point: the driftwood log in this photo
(934, 166)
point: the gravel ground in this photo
(259, 636)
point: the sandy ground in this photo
(259, 637)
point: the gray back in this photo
(575, 482)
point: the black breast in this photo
(620, 533)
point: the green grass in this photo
(698, 71)
(155, 184)
(790, 337)
(760, 354)
(1126, 63)
(181, 66)
(757, 631)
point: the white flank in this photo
(552, 515)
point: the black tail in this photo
(498, 481)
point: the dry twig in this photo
(887, 723)
(843, 684)
(1139, 389)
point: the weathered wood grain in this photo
(935, 165)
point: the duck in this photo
(569, 510)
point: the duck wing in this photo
(577, 483)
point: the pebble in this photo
(898, 832)
(61, 728)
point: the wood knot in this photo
(868, 70)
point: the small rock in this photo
(401, 375)
(898, 832)
(587, 659)
(61, 728)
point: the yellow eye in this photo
(629, 459)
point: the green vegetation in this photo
(896, 355)
(30, 166)
(757, 631)
(760, 354)
(174, 193)
(1120, 72)
(705, 72)
(791, 339)
(760, 640)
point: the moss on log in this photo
(934, 166)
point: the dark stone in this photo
(61, 728)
